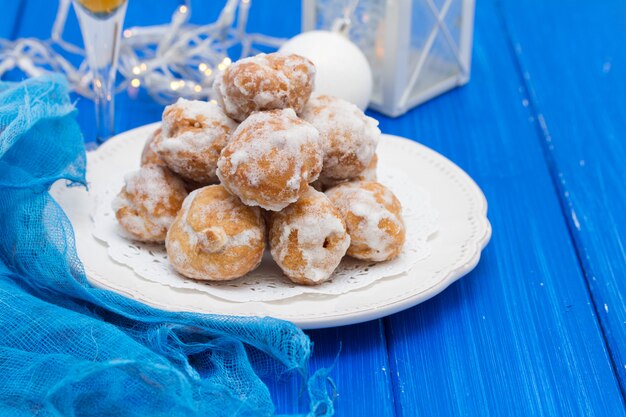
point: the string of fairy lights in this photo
(168, 61)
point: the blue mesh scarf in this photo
(68, 349)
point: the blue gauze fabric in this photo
(69, 349)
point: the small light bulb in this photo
(136, 70)
(197, 89)
(135, 82)
(182, 9)
(143, 66)
(208, 72)
(227, 61)
(202, 67)
(221, 66)
(213, 101)
(128, 33)
(174, 85)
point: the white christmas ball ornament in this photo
(341, 68)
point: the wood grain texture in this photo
(519, 335)
(575, 72)
(361, 372)
(10, 18)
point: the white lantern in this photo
(417, 49)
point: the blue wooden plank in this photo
(10, 21)
(519, 335)
(577, 86)
(10, 18)
(362, 367)
(361, 372)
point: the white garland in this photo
(169, 61)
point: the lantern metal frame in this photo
(402, 78)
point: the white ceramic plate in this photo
(463, 232)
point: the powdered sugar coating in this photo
(148, 154)
(193, 135)
(369, 174)
(147, 204)
(349, 136)
(373, 217)
(308, 239)
(215, 237)
(270, 159)
(265, 82)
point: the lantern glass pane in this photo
(413, 46)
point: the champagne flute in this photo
(101, 24)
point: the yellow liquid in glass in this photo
(101, 6)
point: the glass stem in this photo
(105, 103)
(102, 35)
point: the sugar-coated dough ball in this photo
(308, 238)
(373, 216)
(270, 159)
(369, 174)
(193, 135)
(265, 82)
(349, 136)
(215, 237)
(148, 155)
(148, 203)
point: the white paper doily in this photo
(267, 282)
(463, 232)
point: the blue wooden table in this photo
(539, 327)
